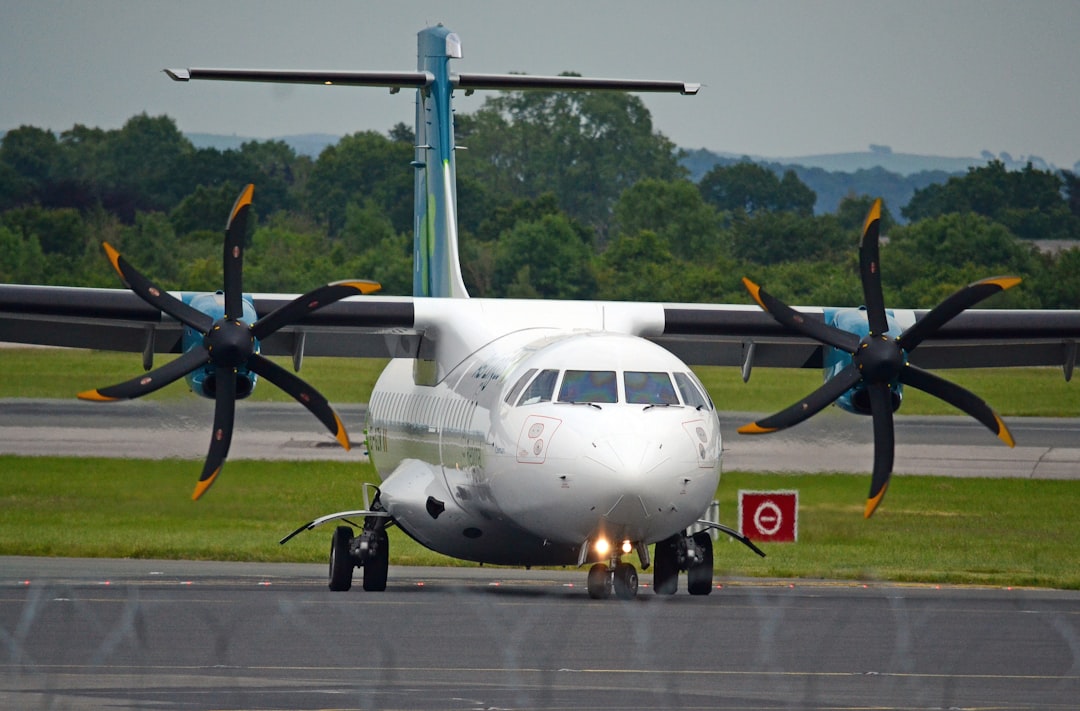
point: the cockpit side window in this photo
(692, 394)
(649, 388)
(514, 391)
(540, 388)
(589, 386)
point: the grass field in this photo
(59, 373)
(930, 529)
(996, 532)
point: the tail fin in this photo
(436, 263)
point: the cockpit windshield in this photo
(589, 386)
(649, 388)
(602, 386)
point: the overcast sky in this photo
(782, 79)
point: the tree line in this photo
(560, 195)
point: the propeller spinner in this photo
(229, 343)
(878, 361)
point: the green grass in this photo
(60, 373)
(998, 532)
(930, 529)
(63, 373)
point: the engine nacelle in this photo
(854, 321)
(203, 381)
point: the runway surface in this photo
(94, 634)
(1047, 448)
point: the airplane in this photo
(530, 432)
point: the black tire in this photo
(377, 565)
(625, 581)
(699, 577)
(598, 582)
(341, 560)
(666, 566)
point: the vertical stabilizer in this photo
(436, 264)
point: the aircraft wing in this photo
(117, 319)
(702, 334)
(381, 327)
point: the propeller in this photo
(229, 343)
(878, 361)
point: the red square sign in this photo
(771, 516)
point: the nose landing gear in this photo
(620, 578)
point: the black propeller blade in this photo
(229, 343)
(877, 361)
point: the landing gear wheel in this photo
(341, 560)
(699, 575)
(625, 581)
(377, 564)
(666, 566)
(599, 582)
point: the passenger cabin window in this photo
(692, 394)
(649, 388)
(540, 388)
(589, 386)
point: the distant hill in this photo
(700, 161)
(877, 172)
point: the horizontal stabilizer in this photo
(472, 82)
(393, 80)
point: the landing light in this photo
(627, 547)
(602, 546)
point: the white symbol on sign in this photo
(768, 518)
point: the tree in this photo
(637, 267)
(21, 258)
(753, 189)
(142, 161)
(926, 261)
(362, 166)
(675, 212)
(852, 211)
(1028, 202)
(545, 258)
(28, 156)
(774, 237)
(584, 147)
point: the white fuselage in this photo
(541, 441)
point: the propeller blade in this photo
(964, 298)
(884, 444)
(791, 318)
(870, 271)
(221, 438)
(301, 306)
(233, 262)
(149, 382)
(812, 404)
(303, 393)
(960, 398)
(154, 295)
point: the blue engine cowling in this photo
(854, 321)
(203, 381)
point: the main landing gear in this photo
(693, 554)
(370, 551)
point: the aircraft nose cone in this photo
(628, 455)
(635, 465)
